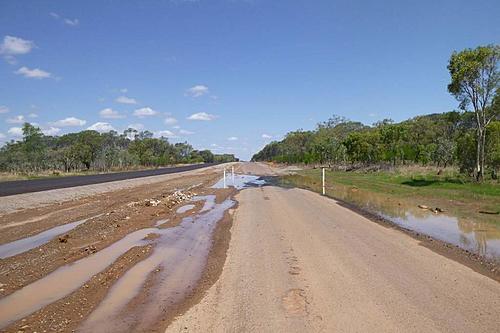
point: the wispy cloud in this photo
(185, 132)
(33, 73)
(109, 113)
(197, 91)
(170, 121)
(71, 22)
(203, 116)
(125, 100)
(69, 122)
(16, 120)
(232, 138)
(101, 127)
(51, 130)
(165, 133)
(4, 109)
(145, 112)
(13, 46)
(15, 131)
(266, 136)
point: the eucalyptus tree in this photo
(475, 80)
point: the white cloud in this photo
(197, 91)
(67, 21)
(15, 46)
(267, 136)
(125, 100)
(101, 127)
(145, 112)
(185, 132)
(33, 73)
(72, 22)
(137, 126)
(69, 122)
(16, 120)
(2, 136)
(123, 90)
(4, 109)
(109, 113)
(165, 133)
(170, 121)
(51, 130)
(15, 131)
(33, 115)
(202, 116)
(232, 138)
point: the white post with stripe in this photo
(323, 171)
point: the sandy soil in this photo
(299, 262)
(122, 208)
(18, 202)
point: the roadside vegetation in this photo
(468, 139)
(405, 187)
(38, 155)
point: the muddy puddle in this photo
(25, 244)
(179, 253)
(184, 209)
(239, 181)
(480, 235)
(177, 261)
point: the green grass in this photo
(455, 194)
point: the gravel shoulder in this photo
(14, 203)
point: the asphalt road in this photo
(300, 262)
(36, 185)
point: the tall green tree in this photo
(475, 80)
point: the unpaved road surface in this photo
(178, 253)
(299, 262)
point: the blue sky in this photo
(229, 75)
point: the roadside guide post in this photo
(323, 171)
(224, 177)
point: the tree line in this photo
(91, 150)
(469, 139)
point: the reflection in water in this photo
(240, 181)
(479, 237)
(185, 246)
(28, 243)
(181, 252)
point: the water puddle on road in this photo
(184, 209)
(184, 247)
(478, 235)
(240, 181)
(28, 243)
(181, 252)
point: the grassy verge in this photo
(462, 198)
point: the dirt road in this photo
(299, 262)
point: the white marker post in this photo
(232, 173)
(224, 177)
(323, 170)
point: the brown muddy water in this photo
(479, 235)
(25, 244)
(178, 259)
(184, 247)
